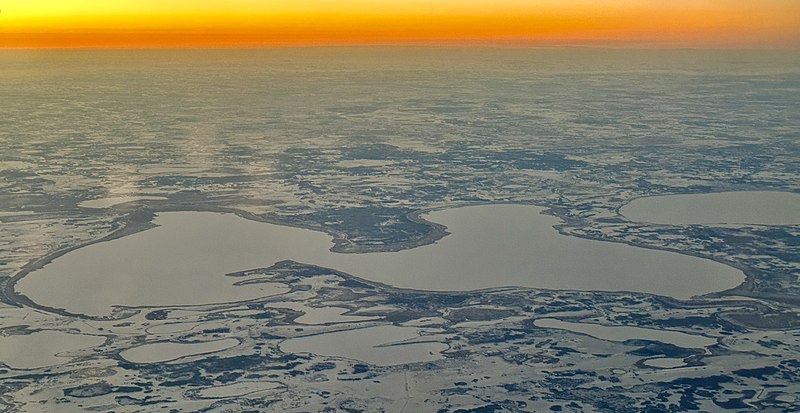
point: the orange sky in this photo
(250, 23)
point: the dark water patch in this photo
(761, 373)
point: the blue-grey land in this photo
(122, 169)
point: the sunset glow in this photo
(251, 23)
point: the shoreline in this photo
(140, 218)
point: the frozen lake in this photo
(623, 333)
(184, 259)
(379, 345)
(167, 351)
(43, 348)
(743, 207)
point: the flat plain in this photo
(400, 230)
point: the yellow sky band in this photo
(148, 23)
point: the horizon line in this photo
(414, 43)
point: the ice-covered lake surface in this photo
(239, 389)
(623, 333)
(168, 351)
(379, 345)
(741, 207)
(43, 348)
(184, 261)
(664, 363)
